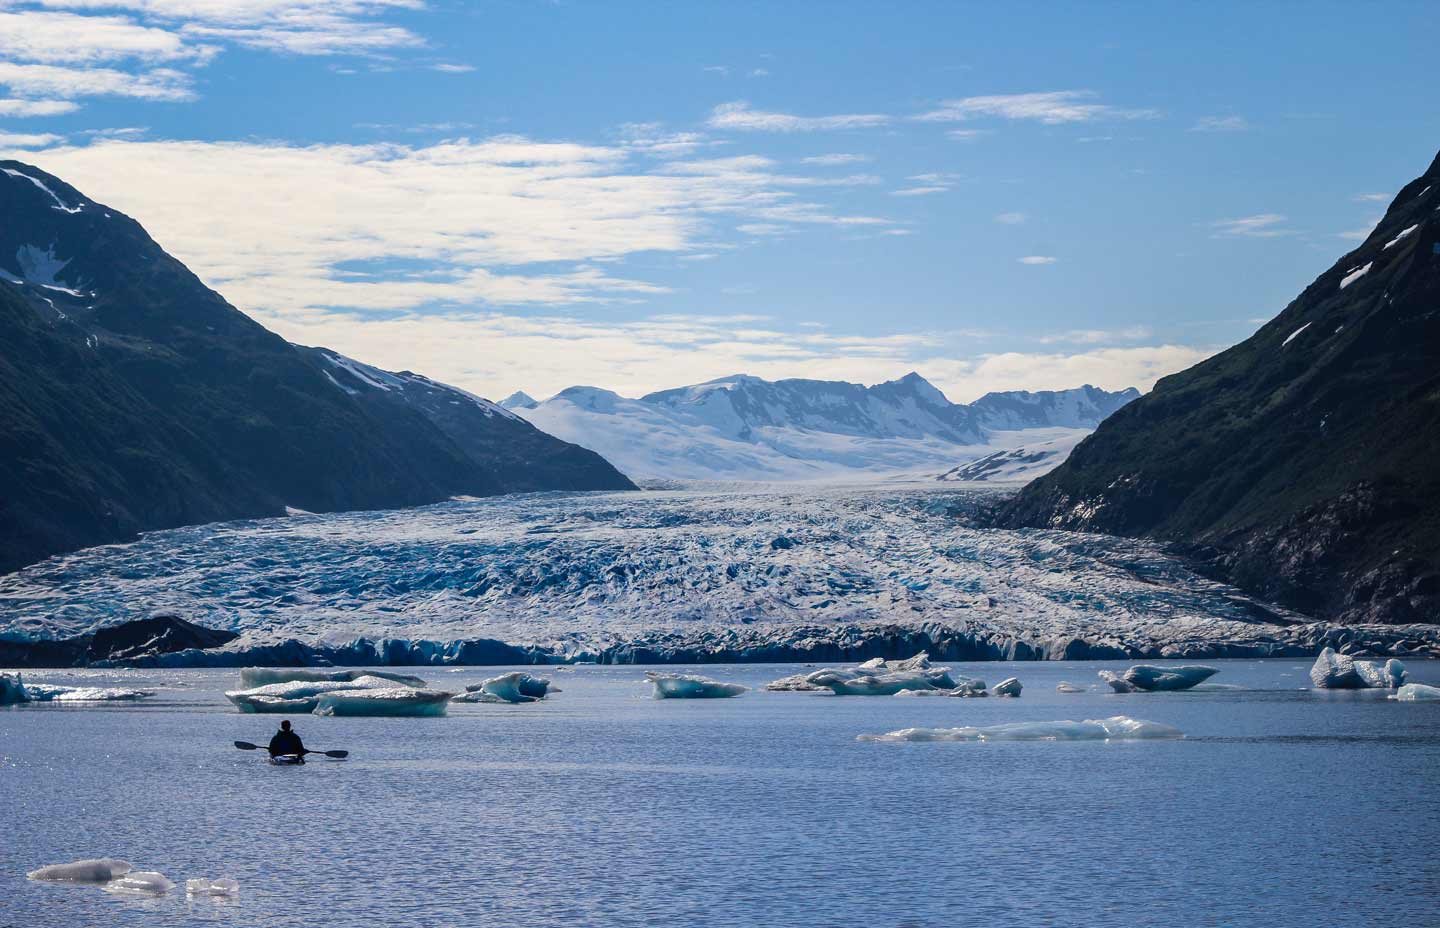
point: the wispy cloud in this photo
(1096, 336)
(1011, 219)
(12, 107)
(1053, 108)
(1372, 197)
(739, 116)
(43, 80)
(28, 140)
(834, 160)
(1037, 260)
(1220, 124)
(1261, 225)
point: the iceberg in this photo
(1417, 692)
(1065, 687)
(683, 686)
(397, 700)
(1149, 678)
(1007, 687)
(875, 677)
(514, 687)
(251, 677)
(1335, 671)
(300, 696)
(94, 870)
(203, 887)
(796, 683)
(12, 689)
(1116, 728)
(141, 882)
(44, 692)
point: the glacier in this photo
(1116, 728)
(710, 573)
(689, 686)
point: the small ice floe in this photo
(299, 696)
(683, 686)
(94, 870)
(876, 677)
(1417, 692)
(142, 883)
(1065, 687)
(1007, 687)
(514, 687)
(1355, 274)
(1116, 728)
(1149, 678)
(394, 701)
(1335, 671)
(221, 887)
(264, 676)
(44, 692)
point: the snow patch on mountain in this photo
(1019, 464)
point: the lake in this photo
(1283, 806)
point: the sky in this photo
(530, 195)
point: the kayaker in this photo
(286, 742)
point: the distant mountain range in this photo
(746, 428)
(133, 397)
(1303, 464)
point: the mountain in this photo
(133, 397)
(519, 400)
(746, 428)
(1301, 463)
(1082, 408)
(1016, 465)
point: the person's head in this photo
(285, 725)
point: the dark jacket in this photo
(286, 742)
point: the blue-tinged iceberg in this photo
(1149, 678)
(264, 676)
(301, 696)
(93, 870)
(1116, 728)
(685, 686)
(1335, 671)
(1417, 692)
(514, 687)
(392, 701)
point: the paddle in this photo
(338, 755)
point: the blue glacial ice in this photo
(1148, 678)
(264, 676)
(685, 686)
(1336, 671)
(93, 870)
(300, 696)
(514, 687)
(140, 883)
(1116, 728)
(1417, 692)
(394, 701)
(14, 690)
(1008, 687)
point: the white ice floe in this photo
(1417, 692)
(264, 676)
(1007, 687)
(398, 700)
(300, 696)
(141, 882)
(1149, 678)
(1116, 728)
(514, 687)
(45, 692)
(1065, 687)
(683, 686)
(221, 887)
(875, 677)
(1355, 274)
(1335, 671)
(94, 870)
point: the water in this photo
(1283, 807)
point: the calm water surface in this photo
(600, 806)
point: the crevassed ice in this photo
(1115, 728)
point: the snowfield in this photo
(778, 572)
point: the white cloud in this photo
(1096, 336)
(1011, 219)
(1372, 197)
(919, 191)
(1220, 124)
(51, 81)
(9, 106)
(453, 68)
(835, 159)
(739, 116)
(1107, 368)
(1037, 259)
(759, 72)
(67, 38)
(965, 135)
(1363, 232)
(1054, 108)
(21, 140)
(1261, 225)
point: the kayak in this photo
(286, 760)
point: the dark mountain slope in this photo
(132, 397)
(1302, 463)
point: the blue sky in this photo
(529, 195)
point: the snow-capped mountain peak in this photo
(519, 400)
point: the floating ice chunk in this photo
(1116, 728)
(141, 882)
(1335, 671)
(514, 687)
(1065, 687)
(797, 683)
(1007, 687)
(398, 700)
(94, 870)
(300, 696)
(45, 692)
(1417, 692)
(221, 887)
(857, 683)
(264, 676)
(1379, 676)
(1149, 678)
(12, 689)
(682, 686)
